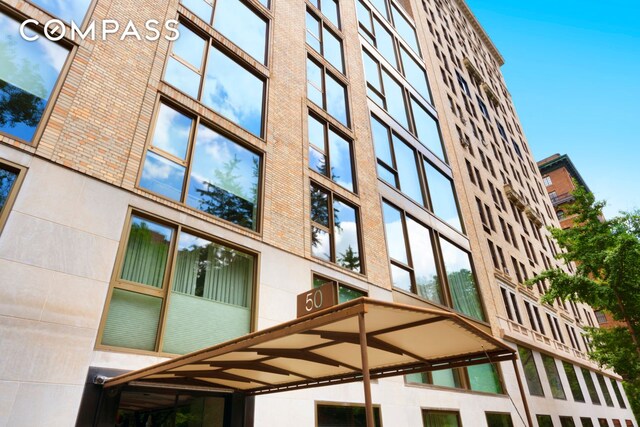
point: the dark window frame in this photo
(164, 291)
(199, 120)
(66, 43)
(211, 42)
(20, 172)
(332, 196)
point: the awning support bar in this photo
(366, 380)
(522, 393)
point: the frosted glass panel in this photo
(194, 323)
(132, 321)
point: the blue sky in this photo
(573, 70)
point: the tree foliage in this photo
(18, 106)
(606, 254)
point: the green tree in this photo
(349, 259)
(607, 258)
(225, 197)
(18, 106)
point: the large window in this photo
(386, 91)
(499, 420)
(327, 91)
(344, 416)
(189, 162)
(324, 41)
(574, 384)
(440, 418)
(586, 422)
(605, 390)
(401, 166)
(530, 371)
(69, 11)
(567, 422)
(588, 379)
(330, 154)
(414, 264)
(176, 292)
(544, 421)
(329, 9)
(483, 378)
(511, 305)
(335, 235)
(617, 389)
(221, 83)
(553, 376)
(29, 72)
(399, 55)
(461, 280)
(237, 21)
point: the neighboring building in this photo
(560, 177)
(159, 197)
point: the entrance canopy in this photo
(343, 343)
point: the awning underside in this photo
(324, 348)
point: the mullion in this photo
(190, 154)
(173, 250)
(424, 182)
(332, 228)
(440, 268)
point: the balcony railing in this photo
(513, 195)
(562, 199)
(533, 216)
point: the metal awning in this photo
(354, 341)
(324, 348)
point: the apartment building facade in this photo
(161, 196)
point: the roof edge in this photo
(556, 162)
(481, 32)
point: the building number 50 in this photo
(313, 300)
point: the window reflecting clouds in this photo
(28, 74)
(424, 265)
(332, 49)
(427, 129)
(182, 77)
(330, 154)
(407, 170)
(413, 266)
(172, 132)
(336, 95)
(415, 74)
(405, 29)
(244, 27)
(334, 230)
(346, 236)
(223, 175)
(201, 8)
(443, 201)
(224, 179)
(340, 154)
(394, 229)
(233, 91)
(67, 10)
(327, 92)
(384, 43)
(229, 89)
(162, 176)
(394, 97)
